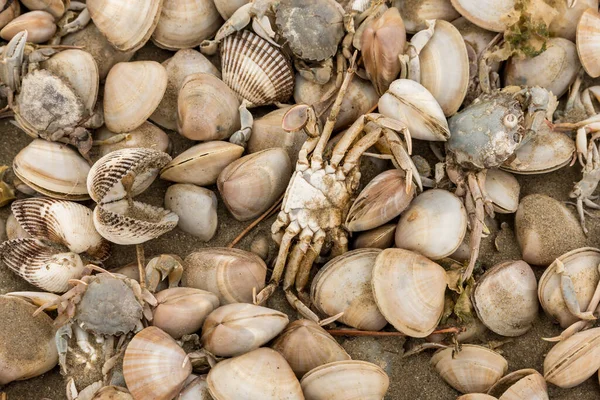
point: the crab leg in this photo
(474, 204)
(242, 136)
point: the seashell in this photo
(40, 264)
(184, 63)
(251, 184)
(588, 41)
(305, 346)
(52, 169)
(409, 102)
(207, 109)
(567, 17)
(227, 7)
(505, 298)
(256, 70)
(55, 7)
(488, 14)
(342, 285)
(473, 369)
(345, 380)
(10, 10)
(112, 393)
(474, 36)
(39, 25)
(546, 229)
(476, 396)
(14, 229)
(182, 311)
(132, 92)
(503, 190)
(154, 366)
(409, 291)
(415, 13)
(197, 389)
(522, 384)
(556, 68)
(573, 360)
(378, 238)
(146, 135)
(261, 374)
(382, 200)
(581, 265)
(63, 222)
(231, 274)
(448, 85)
(196, 208)
(27, 345)
(201, 164)
(126, 25)
(434, 224)
(238, 328)
(260, 246)
(185, 24)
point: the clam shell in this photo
(503, 189)
(476, 396)
(473, 369)
(227, 7)
(112, 393)
(523, 384)
(415, 13)
(132, 92)
(197, 389)
(261, 374)
(588, 41)
(409, 291)
(346, 380)
(55, 7)
(255, 70)
(231, 274)
(154, 366)
(126, 25)
(39, 25)
(196, 208)
(11, 11)
(146, 135)
(53, 169)
(488, 14)
(342, 285)
(379, 238)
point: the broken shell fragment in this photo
(196, 208)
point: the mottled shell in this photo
(305, 345)
(415, 13)
(238, 328)
(196, 208)
(379, 238)
(261, 374)
(346, 380)
(155, 366)
(126, 25)
(231, 274)
(588, 41)
(256, 70)
(474, 369)
(488, 14)
(132, 92)
(53, 169)
(522, 384)
(39, 25)
(146, 135)
(503, 190)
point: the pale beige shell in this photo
(238, 328)
(207, 109)
(346, 380)
(305, 345)
(261, 374)
(503, 190)
(11, 11)
(184, 63)
(127, 25)
(519, 385)
(565, 22)
(227, 7)
(146, 135)
(186, 23)
(39, 25)
(196, 208)
(581, 265)
(505, 298)
(415, 13)
(251, 184)
(55, 7)
(588, 41)
(256, 70)
(573, 360)
(379, 238)
(132, 92)
(474, 36)
(474, 369)
(343, 285)
(488, 14)
(231, 274)
(409, 291)
(196, 389)
(112, 393)
(154, 366)
(476, 396)
(182, 310)
(53, 169)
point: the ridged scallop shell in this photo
(105, 180)
(154, 366)
(64, 222)
(520, 385)
(409, 291)
(53, 169)
(588, 41)
(41, 264)
(261, 374)
(503, 190)
(488, 14)
(126, 24)
(474, 369)
(255, 69)
(346, 380)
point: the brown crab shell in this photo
(255, 69)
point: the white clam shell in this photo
(487, 14)
(588, 41)
(522, 384)
(196, 208)
(503, 189)
(39, 25)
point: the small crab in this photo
(484, 135)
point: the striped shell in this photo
(588, 42)
(255, 69)
(40, 264)
(154, 366)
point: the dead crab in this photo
(484, 135)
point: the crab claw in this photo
(12, 59)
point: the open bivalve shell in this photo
(155, 366)
(520, 385)
(346, 380)
(588, 41)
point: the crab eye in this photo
(510, 121)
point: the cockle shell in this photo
(256, 70)
(522, 384)
(55, 7)
(409, 291)
(588, 41)
(503, 189)
(146, 135)
(415, 13)
(488, 14)
(10, 10)
(196, 208)
(39, 25)
(155, 366)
